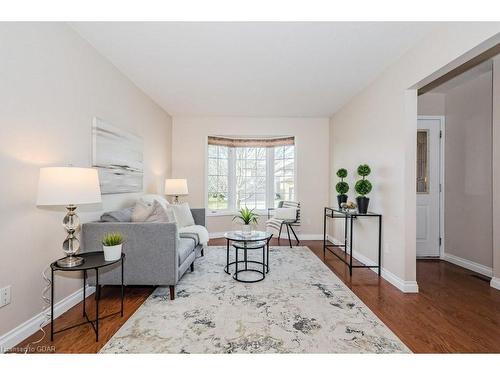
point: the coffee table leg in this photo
(264, 262)
(236, 264)
(268, 256)
(227, 256)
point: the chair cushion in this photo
(288, 213)
(186, 247)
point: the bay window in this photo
(256, 173)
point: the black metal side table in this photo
(348, 218)
(252, 241)
(92, 261)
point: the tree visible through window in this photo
(218, 159)
(256, 176)
(284, 165)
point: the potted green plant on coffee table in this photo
(363, 188)
(247, 217)
(112, 246)
(342, 187)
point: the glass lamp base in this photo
(70, 261)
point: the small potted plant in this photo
(247, 217)
(112, 246)
(363, 187)
(342, 187)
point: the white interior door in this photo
(428, 187)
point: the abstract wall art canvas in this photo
(118, 156)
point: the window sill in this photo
(261, 212)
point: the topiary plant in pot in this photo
(342, 187)
(363, 187)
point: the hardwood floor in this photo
(455, 311)
(81, 339)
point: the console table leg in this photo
(350, 251)
(379, 245)
(324, 234)
(346, 224)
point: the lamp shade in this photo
(68, 185)
(176, 186)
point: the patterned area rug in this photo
(300, 307)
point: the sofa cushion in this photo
(186, 247)
(192, 236)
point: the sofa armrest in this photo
(199, 216)
(150, 250)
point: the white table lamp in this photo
(69, 186)
(176, 187)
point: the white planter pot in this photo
(112, 253)
(246, 229)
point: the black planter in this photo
(362, 204)
(342, 198)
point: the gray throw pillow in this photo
(121, 216)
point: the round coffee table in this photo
(251, 241)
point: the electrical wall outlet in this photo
(5, 296)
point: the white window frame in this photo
(270, 191)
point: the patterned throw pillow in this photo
(158, 214)
(141, 212)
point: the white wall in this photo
(431, 104)
(52, 84)
(496, 172)
(380, 124)
(468, 226)
(467, 107)
(189, 145)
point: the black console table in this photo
(93, 261)
(349, 218)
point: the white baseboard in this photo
(404, 286)
(301, 236)
(32, 325)
(470, 265)
(495, 283)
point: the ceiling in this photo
(252, 69)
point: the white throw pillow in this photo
(149, 200)
(141, 211)
(288, 213)
(183, 215)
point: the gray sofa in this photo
(155, 254)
